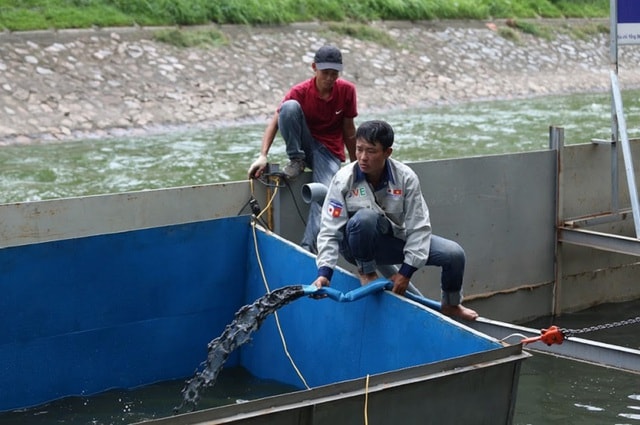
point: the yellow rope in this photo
(266, 285)
(275, 191)
(366, 401)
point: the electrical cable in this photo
(266, 285)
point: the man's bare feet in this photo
(459, 311)
(367, 278)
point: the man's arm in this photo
(417, 224)
(349, 137)
(259, 165)
(333, 218)
(269, 134)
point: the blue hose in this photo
(377, 285)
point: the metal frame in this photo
(572, 230)
(588, 351)
(310, 407)
(618, 134)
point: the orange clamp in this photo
(553, 335)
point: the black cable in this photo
(257, 211)
(264, 179)
(244, 206)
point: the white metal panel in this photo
(33, 222)
(501, 209)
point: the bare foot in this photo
(367, 278)
(459, 311)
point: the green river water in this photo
(551, 390)
(191, 157)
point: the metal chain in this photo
(570, 332)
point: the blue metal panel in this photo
(84, 315)
(332, 342)
(628, 11)
(122, 310)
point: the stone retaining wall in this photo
(94, 83)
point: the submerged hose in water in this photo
(247, 320)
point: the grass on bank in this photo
(192, 38)
(60, 14)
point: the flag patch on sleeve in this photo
(335, 208)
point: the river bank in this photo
(64, 85)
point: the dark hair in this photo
(376, 131)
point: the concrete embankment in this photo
(61, 85)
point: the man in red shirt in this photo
(316, 121)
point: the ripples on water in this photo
(116, 407)
(191, 157)
(551, 390)
(558, 391)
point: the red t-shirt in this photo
(325, 116)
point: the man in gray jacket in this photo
(374, 213)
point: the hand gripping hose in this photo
(377, 285)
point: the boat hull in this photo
(479, 388)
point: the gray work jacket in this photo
(398, 197)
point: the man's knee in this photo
(290, 108)
(363, 219)
(457, 255)
(446, 253)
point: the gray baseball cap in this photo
(328, 57)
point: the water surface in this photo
(191, 157)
